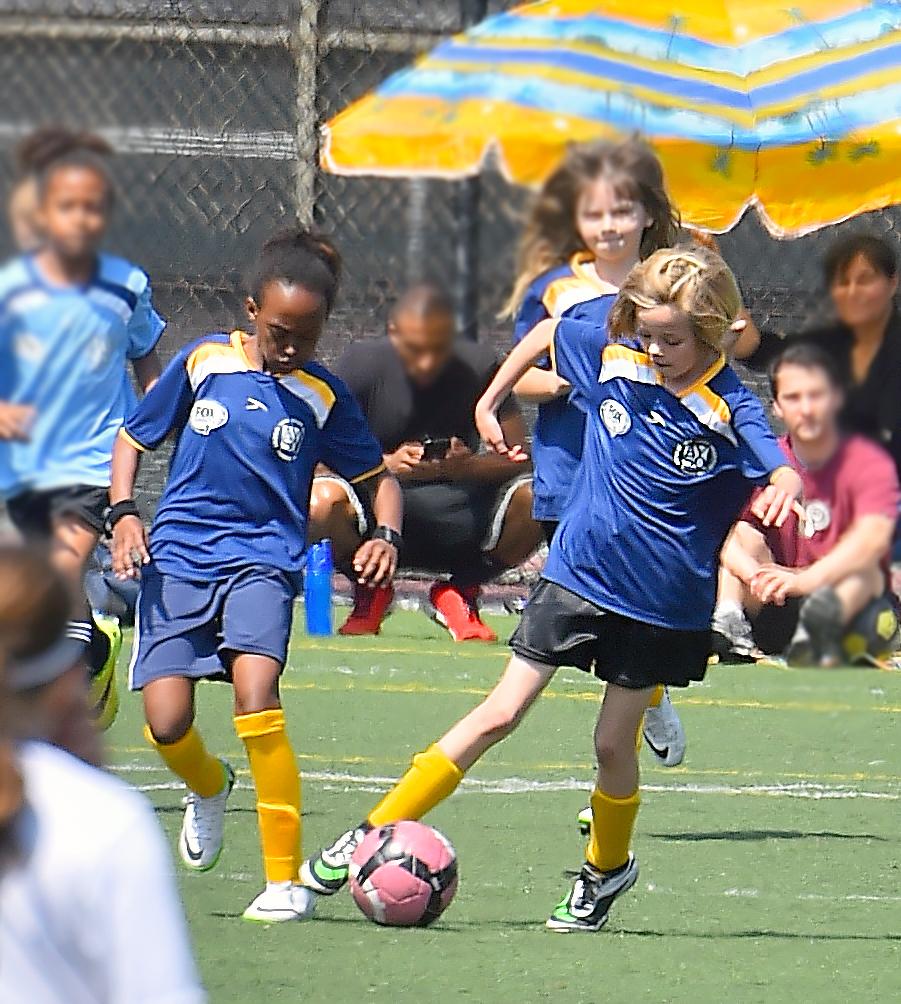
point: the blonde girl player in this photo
(72, 320)
(251, 416)
(598, 214)
(673, 444)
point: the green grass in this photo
(770, 861)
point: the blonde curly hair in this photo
(696, 280)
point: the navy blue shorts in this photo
(193, 629)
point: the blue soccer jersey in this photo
(246, 446)
(663, 479)
(64, 352)
(573, 291)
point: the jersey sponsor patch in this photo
(287, 438)
(207, 415)
(695, 456)
(615, 417)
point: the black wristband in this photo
(127, 507)
(390, 536)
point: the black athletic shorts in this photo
(559, 628)
(33, 512)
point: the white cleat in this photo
(200, 840)
(282, 901)
(664, 734)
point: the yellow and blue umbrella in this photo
(793, 109)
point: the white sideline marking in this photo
(522, 785)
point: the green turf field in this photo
(770, 861)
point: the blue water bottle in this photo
(317, 588)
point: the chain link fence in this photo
(213, 108)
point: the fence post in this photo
(306, 63)
(467, 213)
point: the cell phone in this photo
(435, 449)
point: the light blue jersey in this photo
(64, 352)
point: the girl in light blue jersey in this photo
(71, 320)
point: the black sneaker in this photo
(587, 906)
(328, 871)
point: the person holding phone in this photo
(467, 515)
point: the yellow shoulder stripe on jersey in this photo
(214, 357)
(312, 391)
(360, 478)
(710, 410)
(707, 406)
(132, 441)
(621, 361)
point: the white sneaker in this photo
(282, 901)
(732, 637)
(663, 732)
(200, 840)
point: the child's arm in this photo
(376, 559)
(129, 547)
(147, 370)
(538, 386)
(535, 344)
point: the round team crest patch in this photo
(819, 517)
(287, 438)
(207, 415)
(615, 417)
(695, 456)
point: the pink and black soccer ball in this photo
(403, 874)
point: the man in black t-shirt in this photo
(466, 514)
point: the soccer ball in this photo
(403, 874)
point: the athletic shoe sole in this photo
(184, 852)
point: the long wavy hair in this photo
(551, 237)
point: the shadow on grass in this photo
(751, 835)
(755, 934)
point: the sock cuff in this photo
(156, 744)
(260, 723)
(632, 799)
(436, 759)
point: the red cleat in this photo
(457, 610)
(371, 607)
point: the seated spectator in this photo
(466, 514)
(861, 273)
(821, 589)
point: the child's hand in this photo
(493, 435)
(15, 421)
(129, 548)
(375, 563)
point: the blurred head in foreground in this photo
(680, 304)
(45, 675)
(38, 157)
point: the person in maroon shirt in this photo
(819, 590)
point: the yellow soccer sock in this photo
(657, 696)
(277, 783)
(429, 781)
(613, 820)
(188, 759)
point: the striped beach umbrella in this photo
(792, 109)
